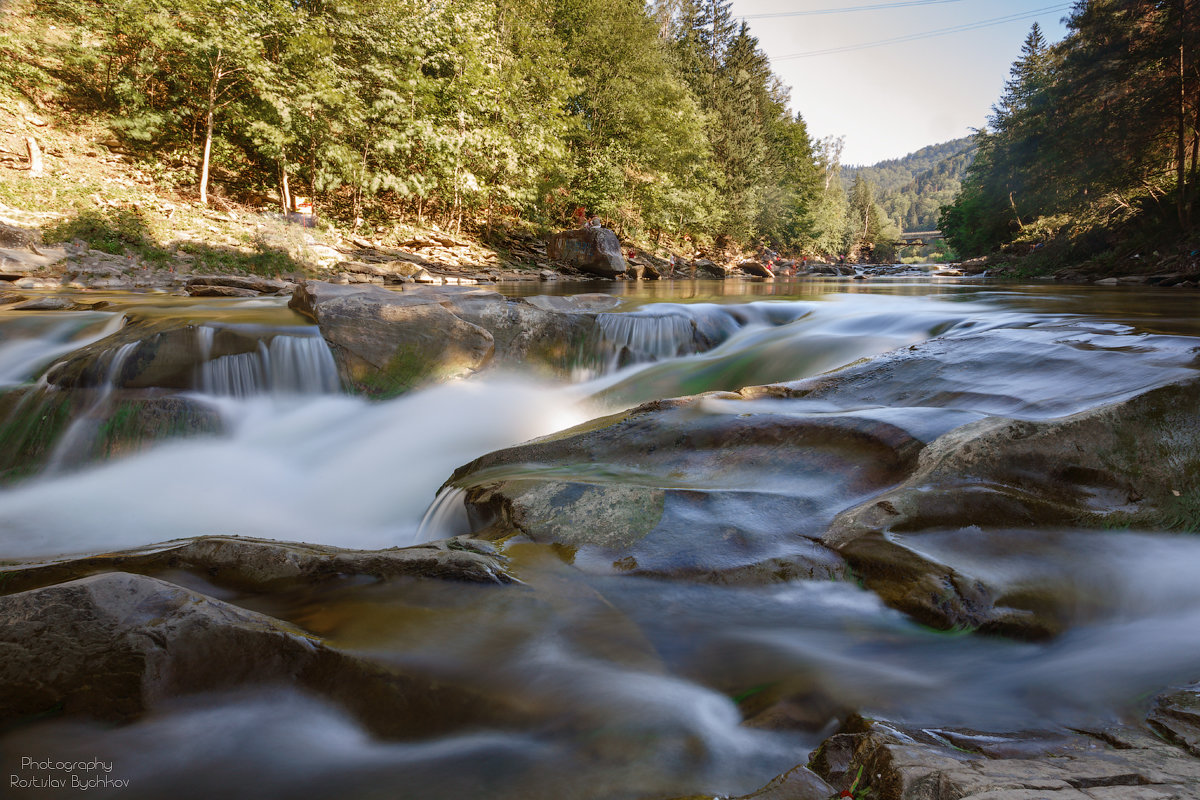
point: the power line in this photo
(875, 7)
(970, 26)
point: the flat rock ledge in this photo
(261, 565)
(1116, 762)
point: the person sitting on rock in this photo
(595, 222)
(580, 216)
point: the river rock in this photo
(1135, 463)
(1176, 715)
(386, 343)
(679, 489)
(757, 268)
(115, 645)
(145, 355)
(897, 762)
(798, 783)
(596, 251)
(249, 283)
(260, 565)
(35, 421)
(543, 339)
(49, 303)
(17, 263)
(705, 269)
(203, 290)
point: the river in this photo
(630, 685)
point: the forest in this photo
(912, 190)
(1093, 151)
(665, 120)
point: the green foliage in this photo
(668, 124)
(1102, 129)
(125, 232)
(114, 231)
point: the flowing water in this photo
(630, 686)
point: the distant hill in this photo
(912, 190)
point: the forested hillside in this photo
(666, 121)
(1094, 148)
(913, 190)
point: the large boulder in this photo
(755, 268)
(386, 343)
(674, 488)
(706, 269)
(596, 251)
(115, 645)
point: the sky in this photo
(891, 100)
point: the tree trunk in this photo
(208, 135)
(285, 192)
(1012, 202)
(36, 168)
(1181, 175)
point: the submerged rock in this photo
(114, 646)
(674, 488)
(1134, 463)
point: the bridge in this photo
(919, 238)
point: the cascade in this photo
(296, 362)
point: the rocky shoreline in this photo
(438, 259)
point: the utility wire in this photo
(970, 26)
(875, 7)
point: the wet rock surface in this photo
(261, 565)
(670, 489)
(115, 645)
(154, 355)
(40, 425)
(898, 762)
(1135, 463)
(386, 343)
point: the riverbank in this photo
(1170, 265)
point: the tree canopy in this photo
(666, 120)
(1095, 138)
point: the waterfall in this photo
(285, 363)
(667, 331)
(72, 448)
(636, 338)
(30, 342)
(445, 517)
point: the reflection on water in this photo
(631, 687)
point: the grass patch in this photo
(115, 231)
(127, 232)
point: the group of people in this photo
(585, 220)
